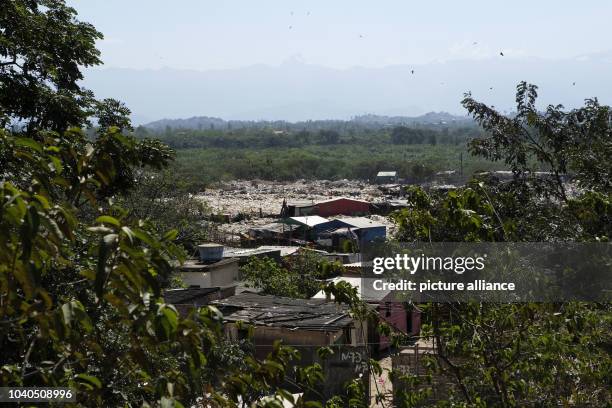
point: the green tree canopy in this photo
(523, 354)
(43, 49)
(81, 279)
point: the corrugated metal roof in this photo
(284, 250)
(360, 222)
(386, 174)
(231, 252)
(191, 296)
(290, 250)
(300, 203)
(398, 203)
(331, 200)
(308, 220)
(273, 227)
(195, 265)
(267, 310)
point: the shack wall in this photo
(396, 315)
(342, 206)
(371, 234)
(214, 276)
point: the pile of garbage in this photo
(264, 198)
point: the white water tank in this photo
(210, 252)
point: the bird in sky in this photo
(360, 36)
(501, 53)
(290, 27)
(491, 88)
(412, 71)
(475, 43)
(573, 84)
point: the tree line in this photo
(258, 138)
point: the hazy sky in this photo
(203, 35)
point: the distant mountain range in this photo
(295, 91)
(428, 118)
(206, 122)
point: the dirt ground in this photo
(382, 384)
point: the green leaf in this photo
(73, 312)
(107, 219)
(129, 233)
(105, 176)
(43, 201)
(24, 277)
(167, 321)
(89, 381)
(144, 237)
(324, 352)
(27, 142)
(166, 402)
(100, 230)
(170, 235)
(56, 164)
(286, 395)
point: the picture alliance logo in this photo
(413, 264)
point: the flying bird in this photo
(474, 43)
(412, 71)
(491, 88)
(573, 84)
(501, 53)
(290, 27)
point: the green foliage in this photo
(81, 278)
(579, 140)
(163, 199)
(342, 161)
(319, 150)
(311, 134)
(112, 112)
(268, 276)
(126, 153)
(67, 314)
(522, 354)
(406, 135)
(297, 277)
(82, 302)
(530, 207)
(353, 398)
(42, 49)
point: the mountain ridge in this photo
(297, 92)
(208, 122)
